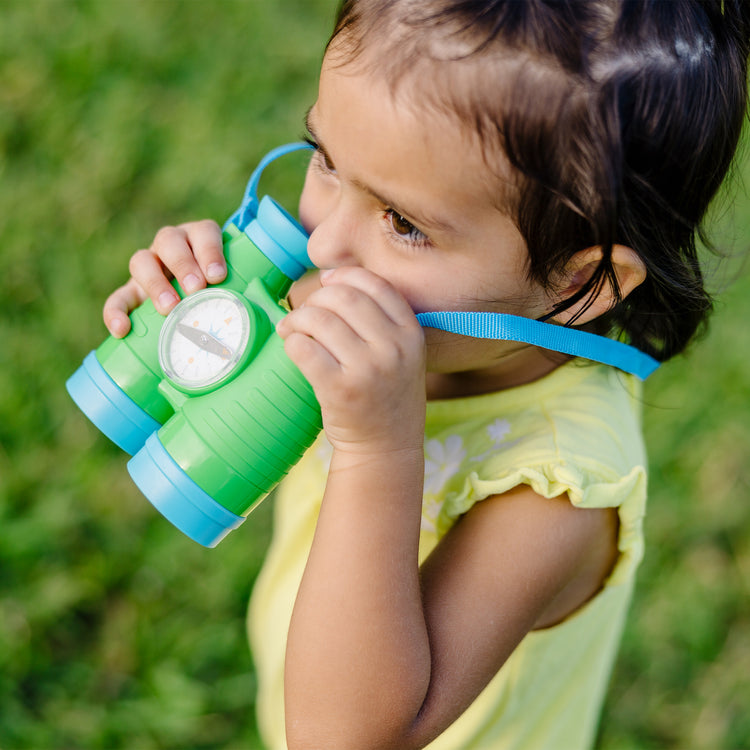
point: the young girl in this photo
(452, 564)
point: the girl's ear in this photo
(629, 269)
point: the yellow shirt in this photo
(576, 431)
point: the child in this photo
(453, 570)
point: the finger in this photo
(172, 247)
(150, 274)
(205, 239)
(119, 304)
(373, 308)
(314, 361)
(303, 288)
(326, 328)
(363, 314)
(388, 298)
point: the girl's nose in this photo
(332, 242)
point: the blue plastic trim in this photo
(281, 238)
(548, 336)
(177, 497)
(109, 407)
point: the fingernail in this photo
(166, 299)
(215, 272)
(117, 328)
(325, 273)
(190, 283)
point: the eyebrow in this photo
(420, 220)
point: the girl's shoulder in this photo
(575, 431)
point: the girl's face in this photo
(407, 194)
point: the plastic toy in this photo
(207, 402)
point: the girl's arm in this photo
(381, 654)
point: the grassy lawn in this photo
(119, 116)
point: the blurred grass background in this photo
(119, 116)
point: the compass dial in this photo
(203, 340)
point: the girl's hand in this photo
(192, 253)
(359, 344)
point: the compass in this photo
(205, 340)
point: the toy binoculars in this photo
(205, 400)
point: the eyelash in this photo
(321, 160)
(414, 237)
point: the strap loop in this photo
(248, 209)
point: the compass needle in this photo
(205, 339)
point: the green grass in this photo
(117, 117)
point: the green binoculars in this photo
(207, 403)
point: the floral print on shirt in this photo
(443, 461)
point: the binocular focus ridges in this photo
(238, 442)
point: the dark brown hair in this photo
(620, 118)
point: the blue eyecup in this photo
(108, 407)
(177, 497)
(281, 238)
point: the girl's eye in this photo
(403, 228)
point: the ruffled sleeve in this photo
(583, 440)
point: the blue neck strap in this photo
(485, 325)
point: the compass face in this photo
(203, 340)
